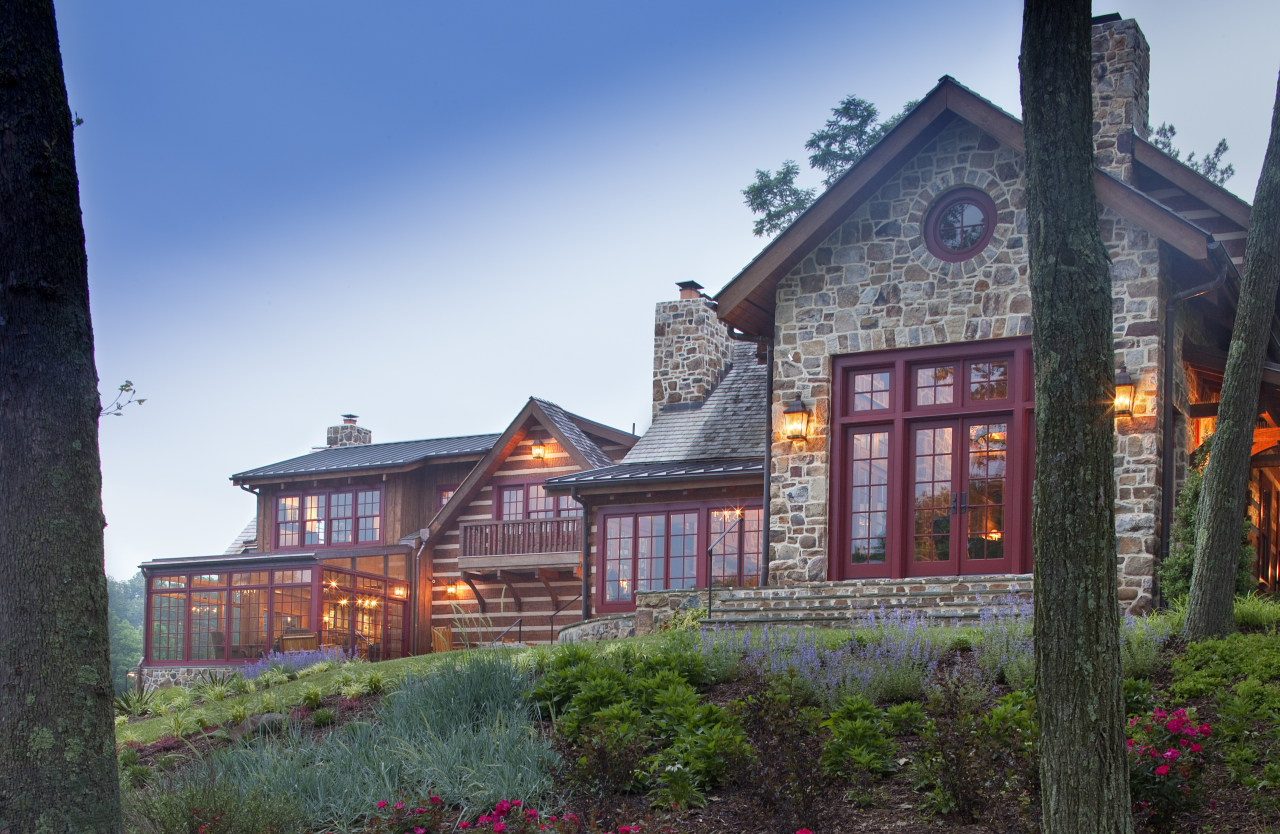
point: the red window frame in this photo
(899, 416)
(362, 516)
(550, 506)
(623, 529)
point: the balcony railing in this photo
(531, 536)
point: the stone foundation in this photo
(611, 627)
(159, 677)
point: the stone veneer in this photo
(159, 677)
(691, 351)
(873, 285)
(611, 627)
(1121, 66)
(347, 434)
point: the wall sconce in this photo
(795, 421)
(451, 590)
(1124, 393)
(538, 450)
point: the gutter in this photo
(1225, 268)
(586, 559)
(738, 336)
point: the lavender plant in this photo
(293, 662)
(1006, 651)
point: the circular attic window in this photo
(960, 224)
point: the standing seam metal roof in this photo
(371, 456)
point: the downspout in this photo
(415, 620)
(586, 555)
(768, 446)
(1224, 269)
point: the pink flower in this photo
(1204, 730)
(499, 826)
(1162, 770)
(804, 831)
(419, 810)
(1195, 748)
(485, 818)
(382, 803)
(517, 801)
(1171, 754)
(1129, 744)
(435, 800)
(464, 825)
(417, 829)
(531, 814)
(399, 806)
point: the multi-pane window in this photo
(528, 501)
(668, 549)
(931, 476)
(330, 518)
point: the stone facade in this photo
(691, 351)
(1121, 100)
(348, 434)
(159, 677)
(601, 628)
(874, 285)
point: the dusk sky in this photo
(423, 213)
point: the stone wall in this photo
(1121, 101)
(873, 285)
(159, 677)
(691, 351)
(348, 434)
(611, 627)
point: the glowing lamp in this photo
(539, 450)
(795, 421)
(1124, 393)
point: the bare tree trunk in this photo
(1226, 477)
(57, 743)
(1083, 769)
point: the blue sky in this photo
(424, 213)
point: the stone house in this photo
(895, 314)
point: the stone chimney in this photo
(348, 434)
(1121, 93)
(691, 348)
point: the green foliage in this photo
(212, 806)
(312, 695)
(844, 139)
(126, 651)
(1257, 613)
(1174, 573)
(686, 619)
(239, 712)
(1139, 697)
(906, 718)
(135, 703)
(979, 762)
(1210, 166)
(1208, 666)
(1141, 642)
(858, 746)
(777, 198)
(322, 717)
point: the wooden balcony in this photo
(529, 537)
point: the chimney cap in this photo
(1105, 18)
(349, 419)
(688, 285)
(689, 290)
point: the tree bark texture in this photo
(1226, 476)
(57, 744)
(1083, 769)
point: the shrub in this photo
(1211, 665)
(906, 718)
(1139, 697)
(1256, 613)
(686, 619)
(980, 762)
(135, 703)
(312, 695)
(1005, 652)
(211, 806)
(322, 717)
(1141, 640)
(1166, 763)
(1174, 573)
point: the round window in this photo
(960, 224)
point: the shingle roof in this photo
(565, 423)
(247, 540)
(370, 456)
(728, 424)
(663, 471)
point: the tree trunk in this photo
(1083, 769)
(57, 742)
(1226, 477)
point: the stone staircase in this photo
(835, 604)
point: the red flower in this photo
(499, 826)
(435, 800)
(382, 803)
(1195, 748)
(1162, 770)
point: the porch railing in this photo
(509, 538)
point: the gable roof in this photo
(747, 301)
(369, 456)
(720, 437)
(569, 430)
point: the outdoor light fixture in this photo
(1124, 393)
(539, 450)
(795, 421)
(451, 590)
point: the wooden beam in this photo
(1200, 410)
(1214, 196)
(470, 579)
(1215, 362)
(1264, 439)
(546, 577)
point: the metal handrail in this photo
(555, 635)
(519, 634)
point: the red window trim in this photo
(701, 565)
(301, 495)
(901, 415)
(499, 485)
